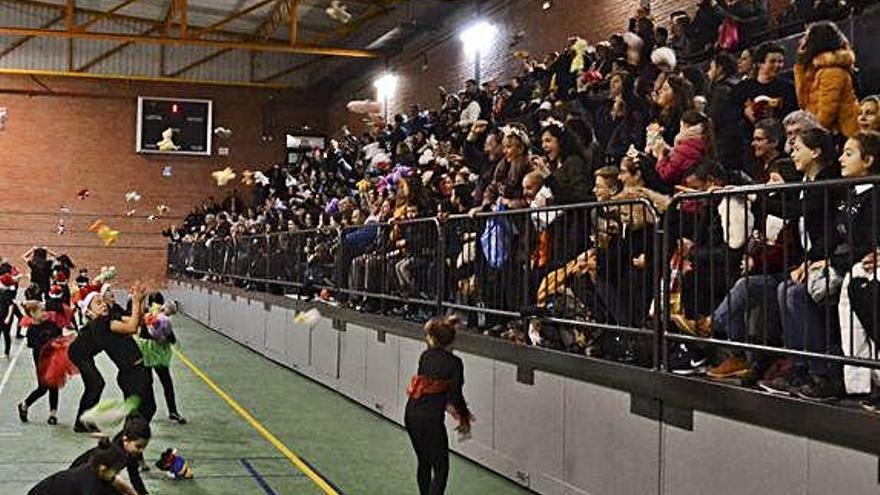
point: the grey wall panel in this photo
(725, 457)
(832, 468)
(558, 436)
(602, 440)
(479, 377)
(353, 362)
(382, 375)
(534, 440)
(325, 350)
(408, 365)
(298, 342)
(250, 324)
(275, 333)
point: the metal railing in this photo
(616, 279)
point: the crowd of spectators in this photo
(623, 123)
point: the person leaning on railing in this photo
(859, 225)
(804, 322)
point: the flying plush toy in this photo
(167, 142)
(174, 465)
(159, 326)
(222, 177)
(106, 274)
(338, 12)
(110, 413)
(307, 317)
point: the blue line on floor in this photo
(259, 479)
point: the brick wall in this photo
(84, 137)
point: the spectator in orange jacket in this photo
(823, 78)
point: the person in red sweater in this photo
(692, 144)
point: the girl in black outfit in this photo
(132, 441)
(437, 386)
(41, 331)
(37, 259)
(82, 353)
(7, 303)
(95, 478)
(116, 338)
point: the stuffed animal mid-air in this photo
(174, 465)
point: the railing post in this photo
(441, 264)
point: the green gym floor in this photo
(348, 446)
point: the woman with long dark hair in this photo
(436, 388)
(570, 173)
(804, 323)
(823, 77)
(674, 97)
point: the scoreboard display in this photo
(174, 126)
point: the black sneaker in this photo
(177, 418)
(784, 385)
(683, 361)
(872, 404)
(80, 427)
(22, 412)
(821, 389)
(779, 386)
(52, 420)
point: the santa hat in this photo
(87, 300)
(55, 292)
(7, 281)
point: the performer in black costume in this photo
(82, 353)
(132, 440)
(436, 387)
(97, 477)
(116, 338)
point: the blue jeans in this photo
(747, 294)
(803, 326)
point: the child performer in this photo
(132, 440)
(156, 339)
(40, 332)
(116, 338)
(97, 477)
(437, 385)
(82, 353)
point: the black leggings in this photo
(6, 330)
(164, 375)
(429, 440)
(41, 389)
(137, 380)
(93, 384)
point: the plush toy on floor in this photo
(174, 466)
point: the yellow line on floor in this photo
(289, 454)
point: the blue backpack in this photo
(496, 239)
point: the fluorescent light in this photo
(546, 5)
(478, 37)
(385, 86)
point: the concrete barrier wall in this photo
(555, 435)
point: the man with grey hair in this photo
(795, 123)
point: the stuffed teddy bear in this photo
(174, 465)
(167, 143)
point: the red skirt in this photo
(55, 366)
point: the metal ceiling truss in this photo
(280, 13)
